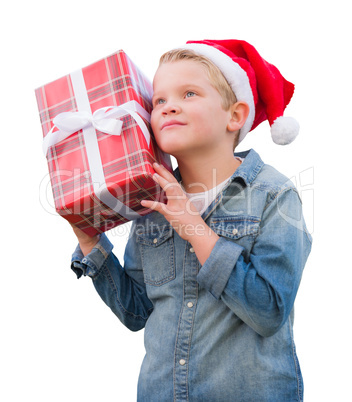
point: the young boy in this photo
(212, 274)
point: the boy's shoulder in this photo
(273, 178)
(262, 176)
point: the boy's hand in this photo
(178, 210)
(182, 214)
(86, 243)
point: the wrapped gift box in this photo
(98, 143)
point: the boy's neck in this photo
(203, 174)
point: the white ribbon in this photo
(104, 120)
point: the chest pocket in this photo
(158, 254)
(241, 229)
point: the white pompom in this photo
(284, 130)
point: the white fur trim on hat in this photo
(234, 74)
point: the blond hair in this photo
(216, 77)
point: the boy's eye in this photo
(189, 94)
(158, 101)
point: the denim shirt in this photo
(221, 331)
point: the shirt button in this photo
(182, 362)
(235, 231)
(190, 304)
(84, 260)
(155, 241)
(191, 250)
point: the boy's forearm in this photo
(86, 243)
(121, 288)
(86, 248)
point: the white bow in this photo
(105, 120)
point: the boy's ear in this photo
(239, 113)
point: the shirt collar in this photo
(249, 168)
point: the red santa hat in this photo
(254, 81)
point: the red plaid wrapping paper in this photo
(126, 159)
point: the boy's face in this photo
(187, 117)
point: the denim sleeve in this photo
(121, 288)
(262, 291)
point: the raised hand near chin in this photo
(182, 214)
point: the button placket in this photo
(186, 322)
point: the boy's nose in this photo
(171, 108)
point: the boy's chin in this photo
(170, 149)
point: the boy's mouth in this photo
(171, 123)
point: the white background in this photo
(58, 340)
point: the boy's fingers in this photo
(162, 171)
(160, 180)
(167, 181)
(154, 205)
(164, 183)
(171, 188)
